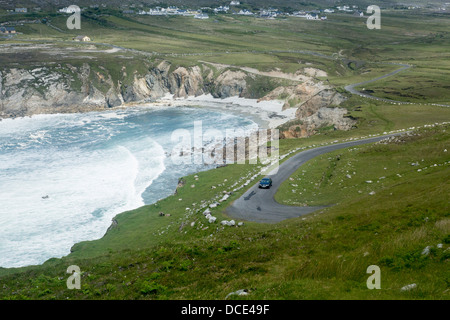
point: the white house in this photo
(312, 16)
(245, 12)
(82, 38)
(299, 14)
(201, 16)
(65, 10)
(344, 8)
(172, 10)
(190, 13)
(157, 12)
(235, 3)
(222, 9)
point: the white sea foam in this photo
(85, 191)
(52, 198)
(64, 177)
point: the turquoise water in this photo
(64, 177)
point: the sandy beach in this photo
(267, 114)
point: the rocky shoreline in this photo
(302, 107)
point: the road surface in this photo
(259, 205)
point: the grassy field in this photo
(320, 256)
(348, 171)
(146, 256)
(351, 51)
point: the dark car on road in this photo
(265, 183)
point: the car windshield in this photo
(265, 180)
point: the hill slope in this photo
(403, 228)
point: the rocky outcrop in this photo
(34, 91)
(186, 82)
(90, 86)
(182, 82)
(158, 80)
(316, 107)
(68, 88)
(322, 99)
(230, 83)
(324, 117)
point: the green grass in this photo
(420, 39)
(434, 85)
(321, 256)
(210, 185)
(356, 172)
(374, 117)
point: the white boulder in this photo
(409, 287)
(212, 219)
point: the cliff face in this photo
(181, 82)
(44, 90)
(317, 107)
(71, 89)
(67, 88)
(26, 92)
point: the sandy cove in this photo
(267, 114)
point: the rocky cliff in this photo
(317, 107)
(68, 88)
(88, 86)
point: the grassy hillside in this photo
(325, 255)
(320, 256)
(169, 252)
(342, 46)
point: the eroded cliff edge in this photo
(68, 85)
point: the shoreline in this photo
(236, 106)
(266, 114)
(398, 131)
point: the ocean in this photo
(63, 177)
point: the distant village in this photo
(234, 7)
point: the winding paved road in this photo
(351, 88)
(259, 205)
